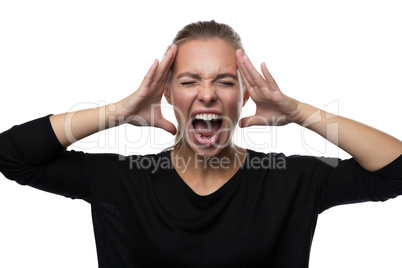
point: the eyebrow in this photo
(198, 76)
(192, 75)
(219, 76)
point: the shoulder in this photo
(280, 161)
(260, 160)
(105, 162)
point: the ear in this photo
(166, 92)
(246, 96)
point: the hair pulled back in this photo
(208, 30)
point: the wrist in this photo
(112, 115)
(306, 114)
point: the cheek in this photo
(181, 105)
(233, 101)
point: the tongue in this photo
(206, 128)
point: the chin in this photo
(209, 150)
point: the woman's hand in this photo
(142, 108)
(375, 151)
(273, 107)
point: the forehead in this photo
(205, 57)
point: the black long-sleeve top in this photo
(145, 215)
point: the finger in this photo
(166, 125)
(251, 89)
(271, 81)
(253, 121)
(173, 49)
(150, 74)
(168, 60)
(247, 78)
(255, 76)
(165, 65)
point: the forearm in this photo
(72, 126)
(373, 149)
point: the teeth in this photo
(207, 117)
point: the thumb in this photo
(168, 126)
(252, 121)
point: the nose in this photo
(207, 93)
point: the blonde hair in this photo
(203, 30)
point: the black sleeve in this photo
(347, 182)
(31, 154)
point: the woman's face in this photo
(206, 93)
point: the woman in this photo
(206, 202)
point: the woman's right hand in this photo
(142, 108)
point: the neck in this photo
(206, 175)
(193, 165)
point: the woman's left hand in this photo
(273, 107)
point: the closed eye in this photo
(226, 83)
(187, 83)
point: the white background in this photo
(57, 56)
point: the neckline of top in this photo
(207, 199)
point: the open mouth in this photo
(207, 127)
